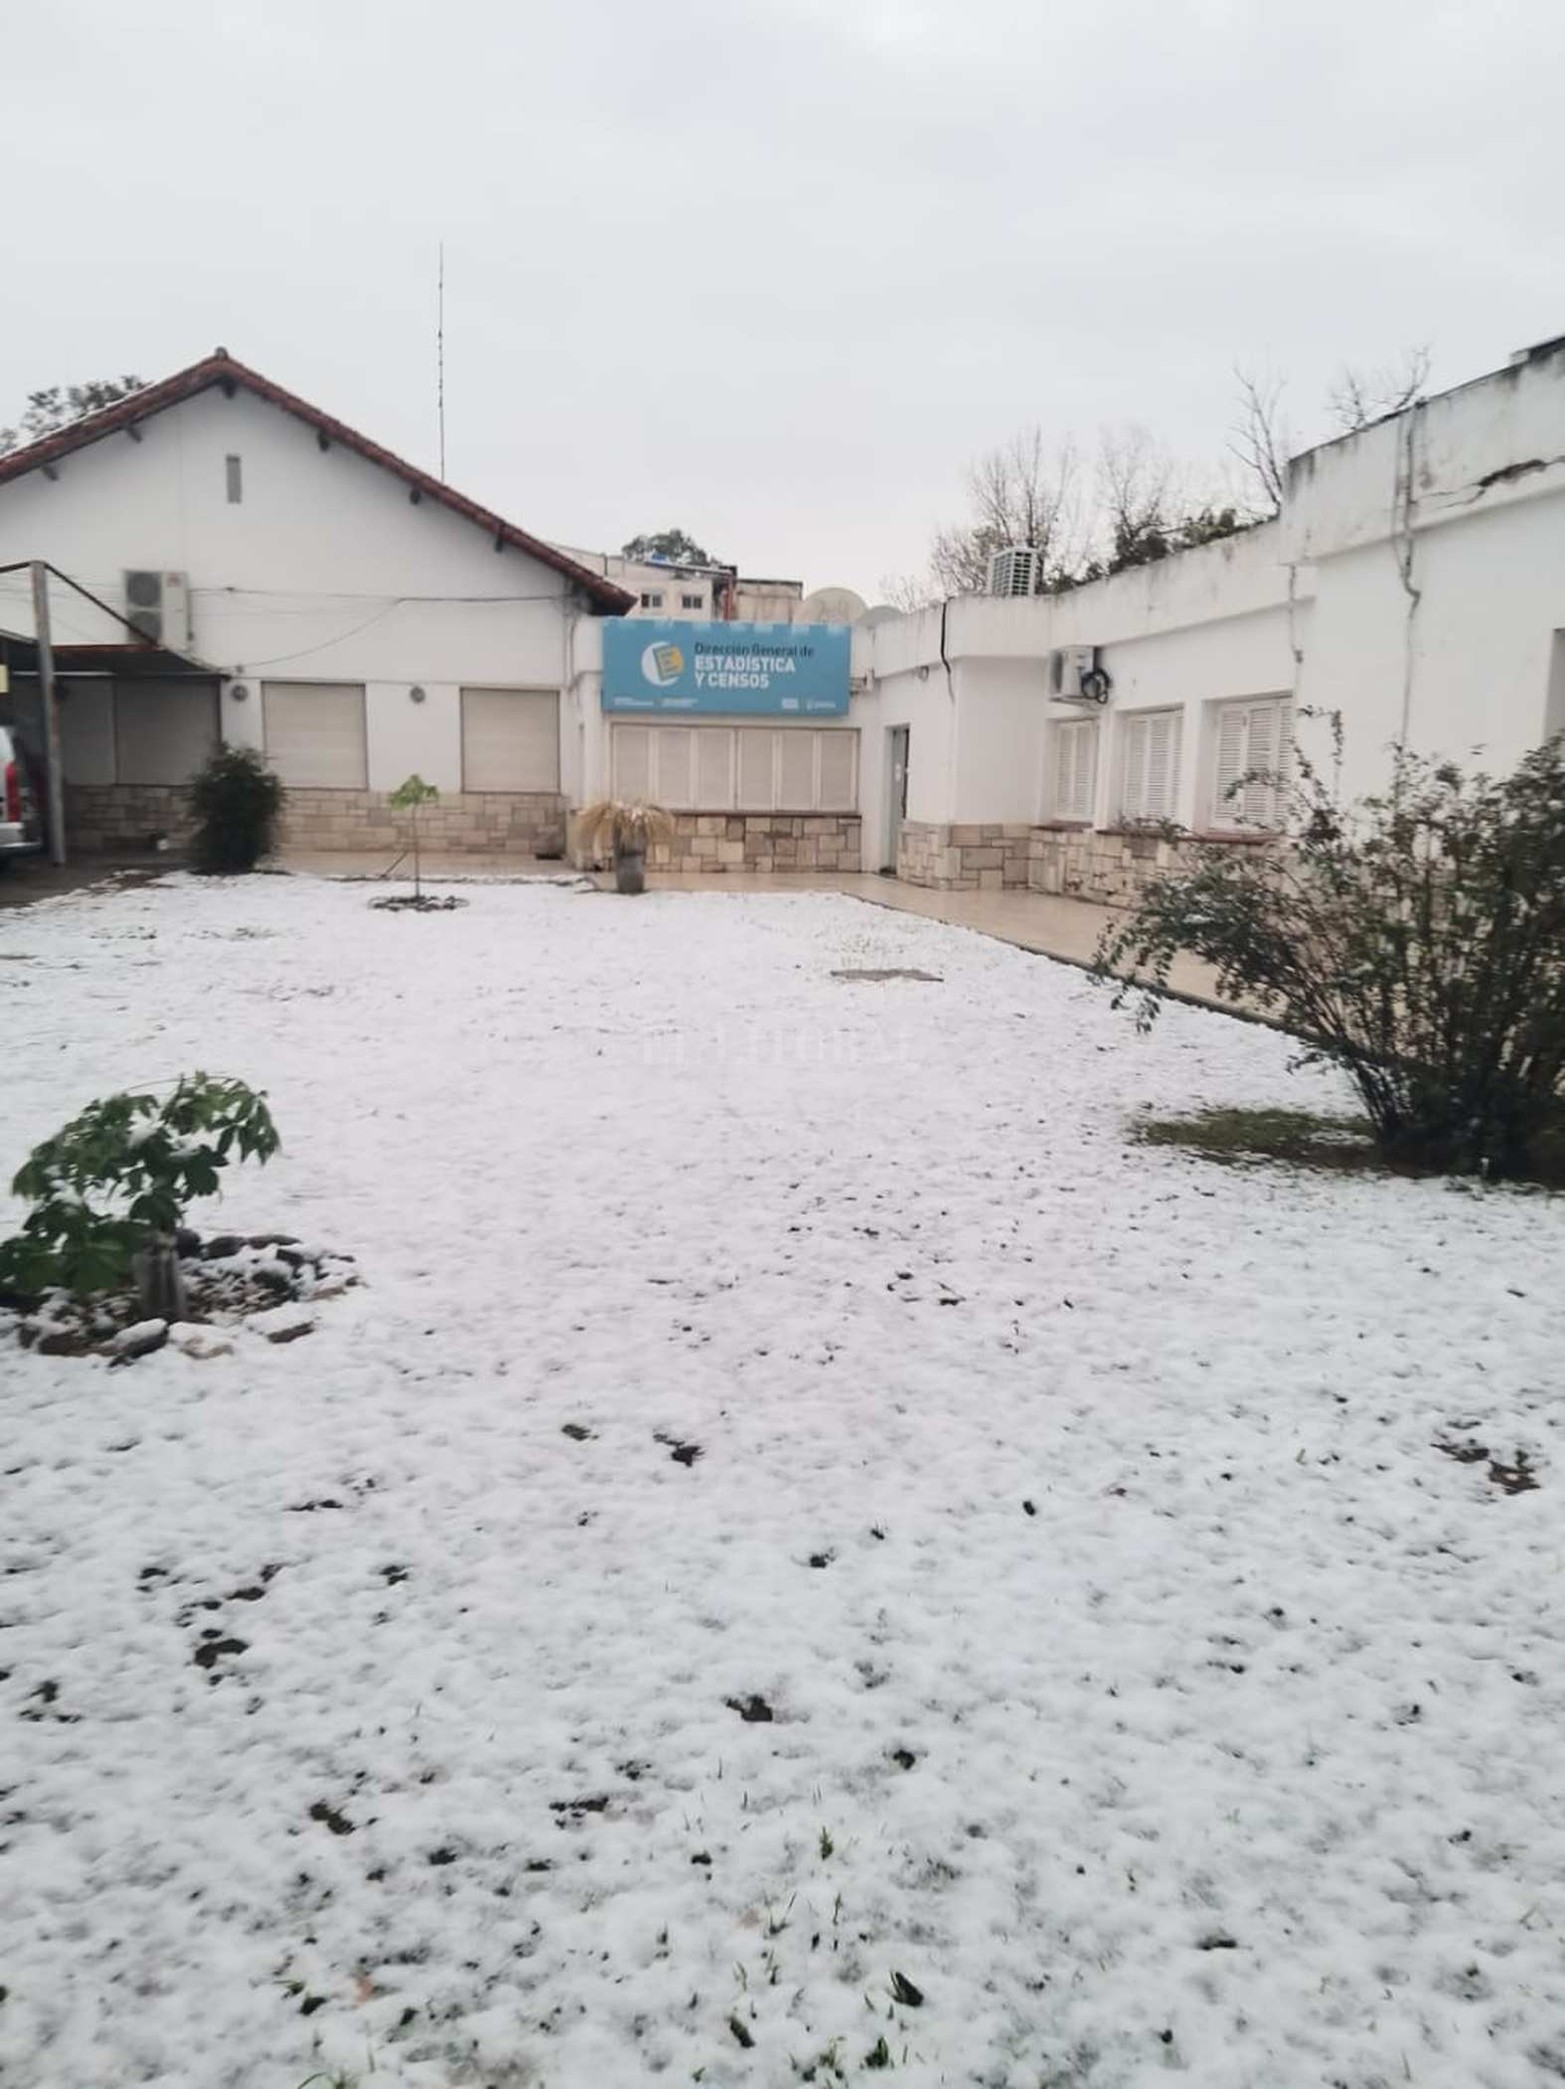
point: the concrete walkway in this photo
(1067, 929)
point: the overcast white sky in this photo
(775, 269)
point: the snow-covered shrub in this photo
(1417, 941)
(109, 1190)
(236, 799)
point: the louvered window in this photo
(1254, 761)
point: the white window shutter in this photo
(1085, 735)
(714, 768)
(1133, 758)
(673, 751)
(1284, 762)
(1231, 739)
(839, 769)
(1075, 748)
(796, 771)
(165, 730)
(632, 761)
(1160, 765)
(315, 736)
(755, 768)
(1259, 796)
(510, 739)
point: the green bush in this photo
(109, 1190)
(1418, 942)
(236, 799)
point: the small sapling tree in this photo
(410, 796)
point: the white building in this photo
(359, 622)
(669, 588)
(317, 597)
(1413, 586)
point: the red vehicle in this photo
(21, 828)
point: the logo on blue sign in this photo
(662, 665)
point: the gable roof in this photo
(220, 368)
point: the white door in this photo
(896, 784)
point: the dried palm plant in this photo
(623, 823)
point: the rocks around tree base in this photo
(265, 1282)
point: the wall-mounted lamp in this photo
(416, 693)
(239, 692)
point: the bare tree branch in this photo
(1021, 493)
(1359, 396)
(907, 591)
(1139, 494)
(1261, 440)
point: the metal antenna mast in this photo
(440, 354)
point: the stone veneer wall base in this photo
(986, 856)
(1112, 868)
(715, 843)
(101, 817)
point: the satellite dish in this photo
(830, 606)
(882, 613)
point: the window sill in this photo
(1243, 837)
(1063, 827)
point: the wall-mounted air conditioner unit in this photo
(157, 604)
(1013, 571)
(1074, 676)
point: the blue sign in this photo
(653, 664)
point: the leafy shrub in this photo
(110, 1189)
(236, 799)
(1418, 943)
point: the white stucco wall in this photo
(1467, 492)
(1468, 665)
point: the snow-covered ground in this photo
(1150, 1693)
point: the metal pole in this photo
(440, 355)
(51, 712)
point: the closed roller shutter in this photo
(714, 767)
(747, 768)
(163, 731)
(315, 734)
(510, 740)
(631, 749)
(755, 768)
(839, 791)
(796, 772)
(673, 748)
